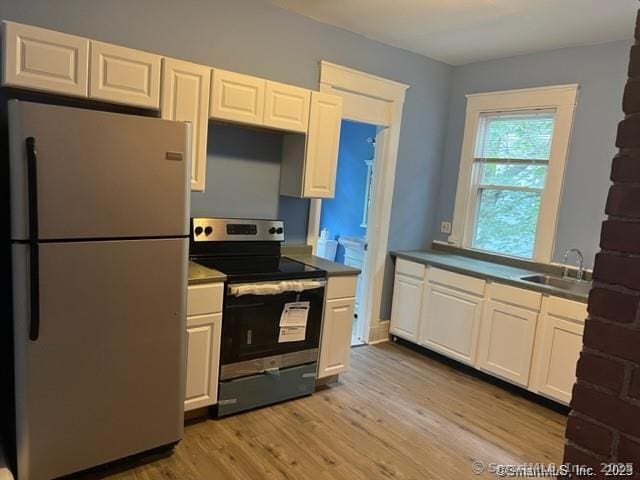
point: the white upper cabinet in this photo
(507, 333)
(309, 163)
(323, 138)
(558, 347)
(185, 97)
(124, 75)
(287, 107)
(44, 60)
(237, 98)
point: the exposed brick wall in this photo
(604, 425)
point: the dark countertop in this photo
(200, 274)
(485, 270)
(333, 269)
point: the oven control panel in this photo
(207, 229)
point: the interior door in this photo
(105, 377)
(99, 175)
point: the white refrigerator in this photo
(99, 225)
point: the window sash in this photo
(477, 190)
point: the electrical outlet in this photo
(445, 227)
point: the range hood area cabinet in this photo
(255, 101)
(47, 61)
(309, 162)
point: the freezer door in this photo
(105, 378)
(99, 175)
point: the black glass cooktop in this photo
(259, 268)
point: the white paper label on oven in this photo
(292, 334)
(295, 314)
(293, 322)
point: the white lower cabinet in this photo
(558, 347)
(337, 323)
(203, 354)
(450, 322)
(203, 337)
(451, 312)
(405, 312)
(524, 337)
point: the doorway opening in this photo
(342, 235)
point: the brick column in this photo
(604, 425)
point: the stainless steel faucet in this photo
(580, 273)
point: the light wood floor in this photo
(395, 414)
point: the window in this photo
(511, 171)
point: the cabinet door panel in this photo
(203, 357)
(450, 322)
(40, 59)
(323, 138)
(405, 311)
(185, 98)
(124, 75)
(560, 347)
(506, 341)
(237, 97)
(287, 107)
(335, 346)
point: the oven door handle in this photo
(274, 288)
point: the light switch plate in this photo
(445, 227)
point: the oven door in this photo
(251, 337)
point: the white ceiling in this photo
(465, 31)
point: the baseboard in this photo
(376, 342)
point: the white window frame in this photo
(562, 99)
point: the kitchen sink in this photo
(570, 284)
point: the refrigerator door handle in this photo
(34, 258)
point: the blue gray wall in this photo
(254, 37)
(243, 180)
(342, 215)
(601, 71)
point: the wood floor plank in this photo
(395, 414)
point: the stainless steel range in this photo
(272, 312)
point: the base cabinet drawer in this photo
(203, 360)
(205, 298)
(506, 341)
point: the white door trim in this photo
(378, 101)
